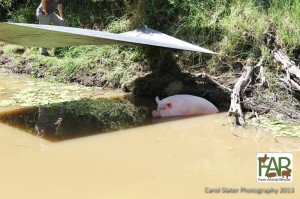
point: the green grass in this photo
(113, 64)
(234, 28)
(286, 17)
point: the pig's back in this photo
(190, 105)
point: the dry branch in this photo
(289, 82)
(235, 104)
(241, 85)
(290, 68)
(287, 65)
(213, 79)
(261, 74)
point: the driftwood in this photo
(291, 81)
(241, 85)
(291, 69)
(235, 104)
(261, 75)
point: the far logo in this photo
(274, 167)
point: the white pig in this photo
(178, 105)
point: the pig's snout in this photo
(155, 113)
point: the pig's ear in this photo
(157, 99)
(169, 105)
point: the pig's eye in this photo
(169, 105)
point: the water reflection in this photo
(49, 123)
(74, 119)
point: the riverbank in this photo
(218, 89)
(255, 44)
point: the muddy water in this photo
(177, 158)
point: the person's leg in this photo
(44, 20)
(56, 20)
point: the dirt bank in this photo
(159, 77)
(248, 87)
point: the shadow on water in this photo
(75, 119)
(62, 121)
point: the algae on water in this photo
(276, 125)
(40, 93)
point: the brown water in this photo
(178, 158)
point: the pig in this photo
(286, 173)
(271, 175)
(180, 105)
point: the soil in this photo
(164, 78)
(157, 83)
